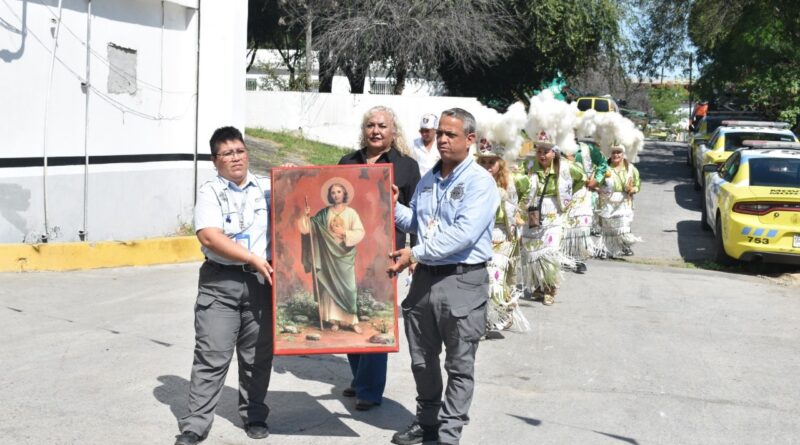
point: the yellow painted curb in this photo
(71, 256)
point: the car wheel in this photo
(720, 256)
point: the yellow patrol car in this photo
(728, 137)
(711, 122)
(752, 203)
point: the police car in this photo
(752, 203)
(708, 124)
(728, 138)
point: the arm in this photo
(208, 221)
(410, 187)
(475, 214)
(404, 217)
(636, 182)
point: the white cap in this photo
(428, 121)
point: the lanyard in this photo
(240, 206)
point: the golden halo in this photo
(337, 180)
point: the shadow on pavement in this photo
(287, 409)
(659, 164)
(537, 422)
(688, 198)
(695, 245)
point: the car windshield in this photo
(584, 104)
(733, 141)
(775, 172)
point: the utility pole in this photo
(690, 88)
(309, 54)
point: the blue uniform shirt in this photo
(453, 217)
(241, 213)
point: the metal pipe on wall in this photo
(83, 234)
(196, 103)
(44, 237)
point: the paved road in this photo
(629, 354)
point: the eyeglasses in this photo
(227, 155)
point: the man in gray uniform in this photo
(452, 212)
(234, 296)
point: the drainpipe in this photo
(45, 235)
(196, 103)
(83, 234)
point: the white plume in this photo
(608, 128)
(556, 118)
(503, 129)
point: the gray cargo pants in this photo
(233, 311)
(445, 305)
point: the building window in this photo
(122, 70)
(251, 84)
(381, 87)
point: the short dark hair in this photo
(346, 197)
(224, 134)
(464, 116)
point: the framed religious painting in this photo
(332, 231)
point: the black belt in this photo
(450, 269)
(237, 267)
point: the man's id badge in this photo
(243, 240)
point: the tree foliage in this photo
(408, 36)
(549, 36)
(275, 24)
(751, 53)
(666, 100)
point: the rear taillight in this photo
(762, 208)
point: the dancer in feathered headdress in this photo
(553, 181)
(500, 139)
(616, 205)
(577, 243)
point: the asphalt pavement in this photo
(629, 354)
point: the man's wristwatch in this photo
(412, 258)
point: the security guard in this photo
(452, 212)
(234, 296)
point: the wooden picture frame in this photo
(347, 234)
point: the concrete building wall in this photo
(336, 118)
(146, 120)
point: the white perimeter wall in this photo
(336, 118)
(163, 117)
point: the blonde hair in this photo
(398, 139)
(502, 177)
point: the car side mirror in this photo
(710, 168)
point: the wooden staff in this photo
(314, 286)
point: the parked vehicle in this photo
(752, 203)
(711, 122)
(599, 104)
(729, 137)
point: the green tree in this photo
(666, 100)
(549, 36)
(751, 53)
